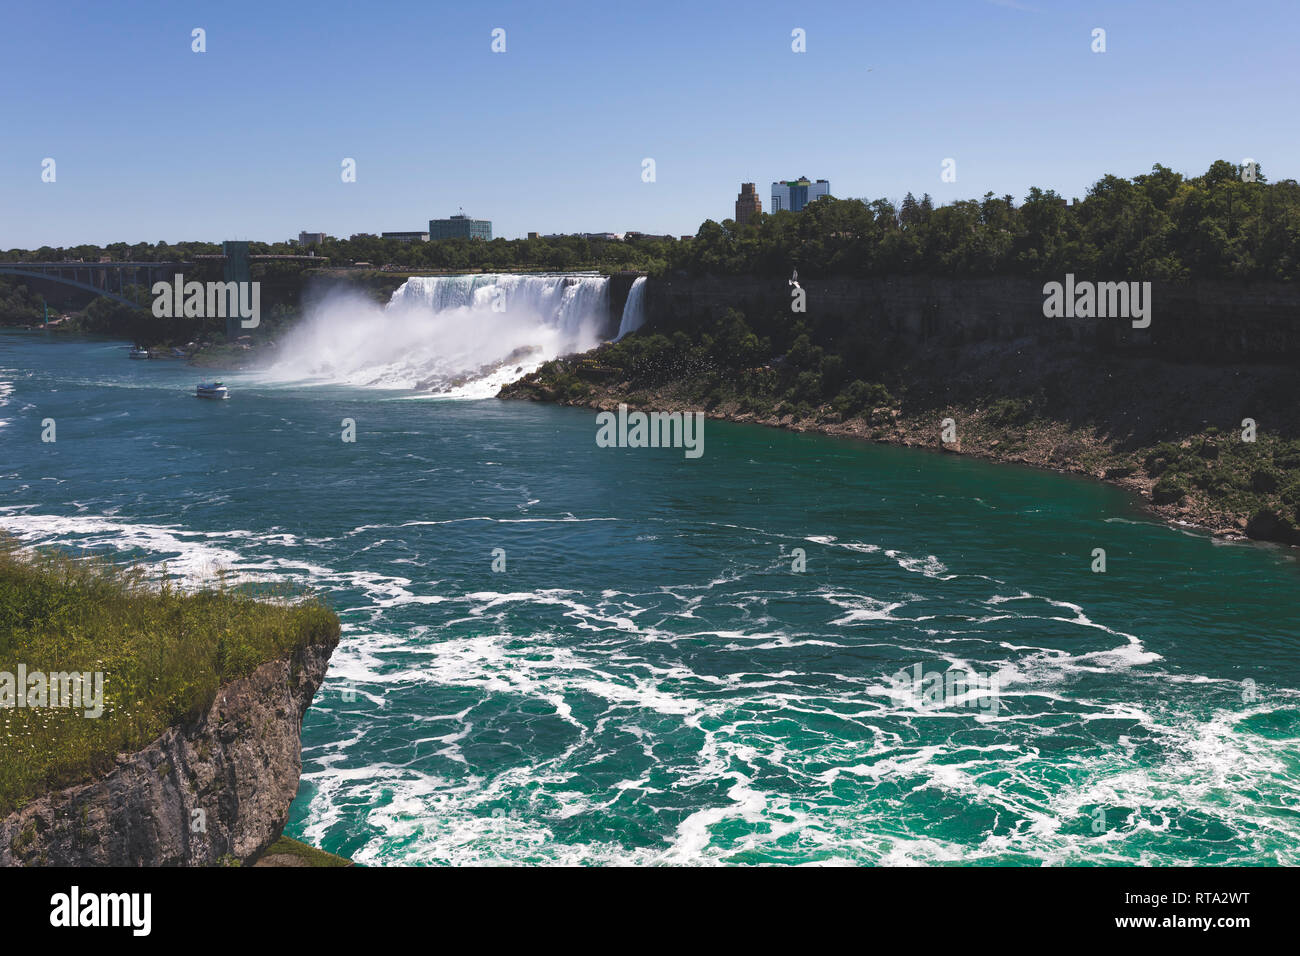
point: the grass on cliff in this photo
(163, 654)
(287, 851)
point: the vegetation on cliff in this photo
(1164, 429)
(18, 304)
(1170, 431)
(287, 851)
(163, 654)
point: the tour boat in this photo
(211, 390)
(139, 353)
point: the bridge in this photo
(111, 279)
(108, 279)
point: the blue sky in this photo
(154, 142)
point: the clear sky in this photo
(155, 142)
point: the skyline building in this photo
(460, 226)
(794, 194)
(748, 205)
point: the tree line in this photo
(1229, 222)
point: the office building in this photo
(797, 193)
(460, 227)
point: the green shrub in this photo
(859, 397)
(1197, 473)
(1168, 490)
(1010, 411)
(1264, 480)
(1160, 458)
(807, 387)
(1291, 498)
(1286, 455)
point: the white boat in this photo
(212, 390)
(139, 353)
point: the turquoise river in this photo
(728, 659)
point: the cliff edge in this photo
(211, 792)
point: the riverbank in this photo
(1179, 437)
(233, 358)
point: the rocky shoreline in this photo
(982, 431)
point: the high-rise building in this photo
(460, 227)
(406, 236)
(748, 205)
(794, 194)
(310, 238)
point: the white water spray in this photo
(458, 336)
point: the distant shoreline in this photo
(1050, 444)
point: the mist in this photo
(457, 336)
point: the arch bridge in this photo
(108, 279)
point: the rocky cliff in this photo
(212, 792)
(1203, 320)
(1196, 413)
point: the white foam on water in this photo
(930, 566)
(858, 748)
(190, 557)
(6, 390)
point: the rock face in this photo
(1269, 526)
(1200, 320)
(199, 795)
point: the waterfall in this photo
(460, 336)
(633, 309)
(568, 304)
